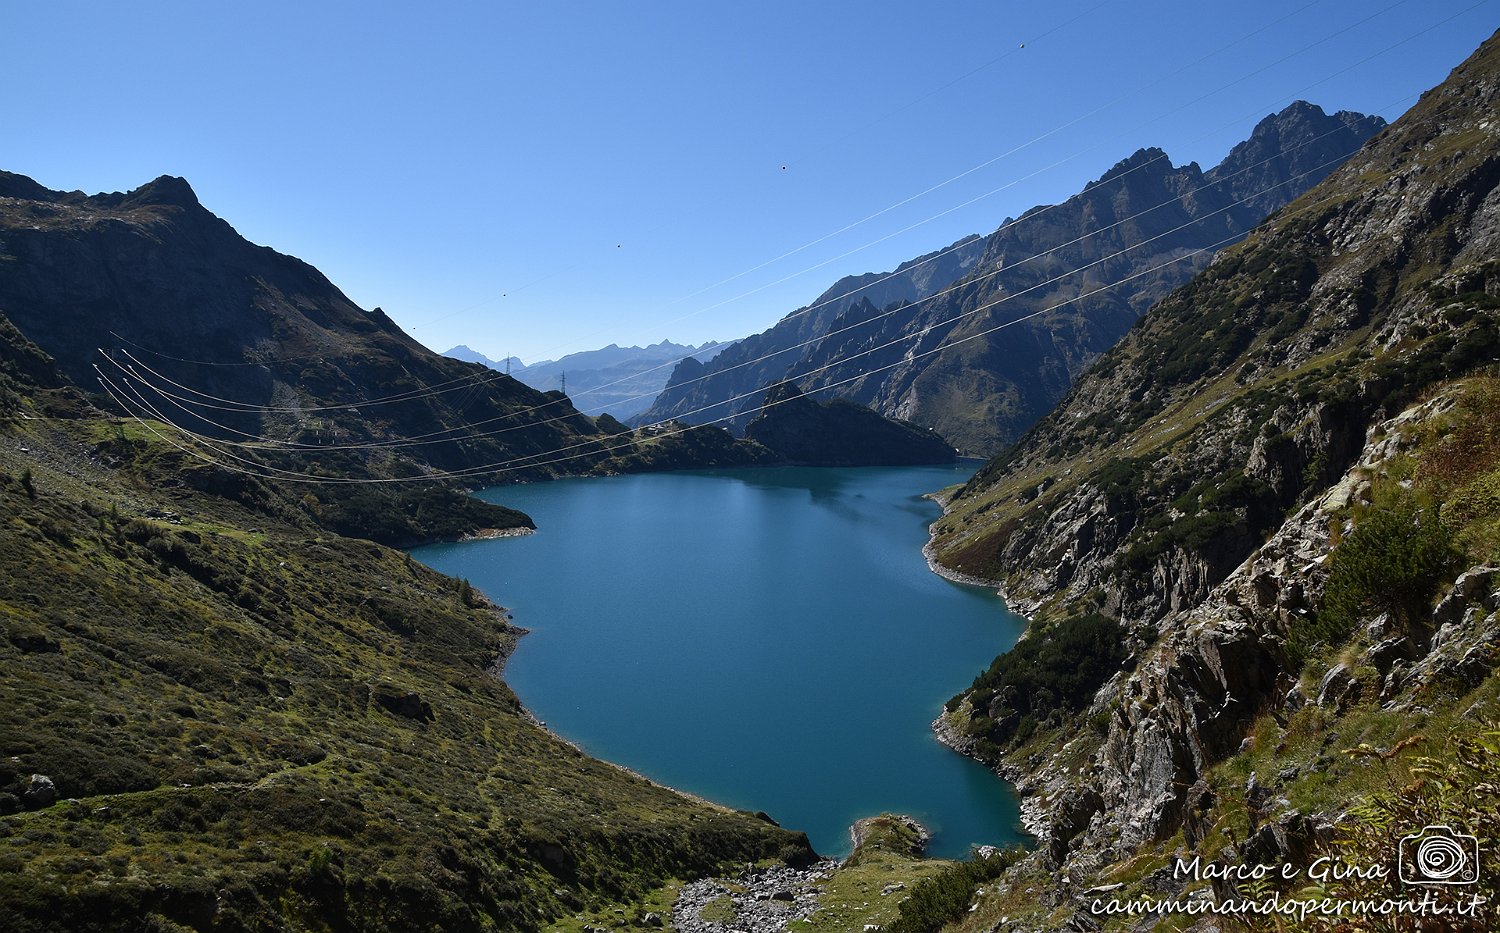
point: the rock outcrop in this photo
(756, 901)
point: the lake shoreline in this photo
(1031, 812)
(490, 534)
(496, 670)
(707, 624)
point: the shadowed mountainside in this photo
(260, 342)
(215, 714)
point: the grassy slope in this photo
(257, 725)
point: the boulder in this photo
(40, 792)
(1338, 689)
(408, 704)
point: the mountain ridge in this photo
(990, 386)
(619, 380)
(153, 273)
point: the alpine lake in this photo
(771, 639)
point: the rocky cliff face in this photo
(729, 386)
(1220, 672)
(1197, 482)
(1023, 312)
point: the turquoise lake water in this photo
(771, 639)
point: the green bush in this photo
(945, 897)
(1122, 480)
(1393, 562)
(1055, 671)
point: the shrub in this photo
(1056, 670)
(1392, 562)
(944, 897)
(1459, 790)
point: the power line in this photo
(944, 252)
(421, 440)
(520, 463)
(462, 382)
(991, 161)
(456, 384)
(418, 393)
(824, 147)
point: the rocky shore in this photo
(1032, 813)
(486, 534)
(758, 900)
(949, 574)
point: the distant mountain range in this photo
(1026, 309)
(462, 352)
(622, 381)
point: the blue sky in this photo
(544, 177)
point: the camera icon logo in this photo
(1438, 855)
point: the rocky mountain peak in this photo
(1297, 110)
(13, 185)
(1145, 223)
(1298, 145)
(155, 273)
(1300, 122)
(782, 393)
(165, 190)
(1150, 156)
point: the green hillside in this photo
(216, 714)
